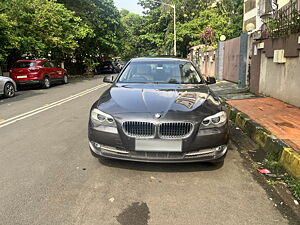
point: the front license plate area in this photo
(157, 145)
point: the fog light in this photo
(97, 145)
(219, 148)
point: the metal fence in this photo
(284, 21)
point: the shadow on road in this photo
(33, 90)
(161, 167)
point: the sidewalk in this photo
(273, 124)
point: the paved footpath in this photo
(273, 124)
(47, 175)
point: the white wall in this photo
(281, 81)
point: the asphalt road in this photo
(48, 176)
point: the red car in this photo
(42, 72)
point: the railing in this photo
(284, 21)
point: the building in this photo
(255, 10)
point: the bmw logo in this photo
(157, 115)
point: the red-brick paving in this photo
(282, 119)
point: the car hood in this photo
(158, 98)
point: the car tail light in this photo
(34, 69)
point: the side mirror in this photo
(108, 79)
(211, 80)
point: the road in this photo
(47, 175)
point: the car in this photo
(159, 110)
(109, 67)
(121, 64)
(8, 87)
(37, 72)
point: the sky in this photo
(131, 5)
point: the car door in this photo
(54, 71)
(47, 69)
(59, 71)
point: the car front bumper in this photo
(205, 145)
(203, 155)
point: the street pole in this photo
(175, 38)
(175, 34)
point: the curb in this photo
(275, 148)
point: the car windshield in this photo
(24, 64)
(176, 72)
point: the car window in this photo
(24, 65)
(51, 64)
(45, 64)
(160, 72)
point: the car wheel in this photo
(46, 83)
(66, 79)
(9, 90)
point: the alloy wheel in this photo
(47, 82)
(9, 90)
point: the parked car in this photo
(109, 67)
(40, 72)
(121, 64)
(159, 110)
(8, 87)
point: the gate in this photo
(231, 60)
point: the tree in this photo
(193, 18)
(103, 18)
(42, 27)
(7, 38)
(132, 27)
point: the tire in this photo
(65, 79)
(46, 83)
(9, 90)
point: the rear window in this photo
(24, 64)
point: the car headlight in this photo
(217, 120)
(102, 119)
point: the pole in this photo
(175, 38)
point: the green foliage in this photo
(103, 18)
(42, 26)
(294, 185)
(132, 26)
(90, 29)
(7, 39)
(284, 21)
(193, 17)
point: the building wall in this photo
(205, 61)
(279, 75)
(281, 81)
(251, 12)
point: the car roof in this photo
(164, 59)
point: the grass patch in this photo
(294, 185)
(277, 168)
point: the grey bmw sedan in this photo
(159, 110)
